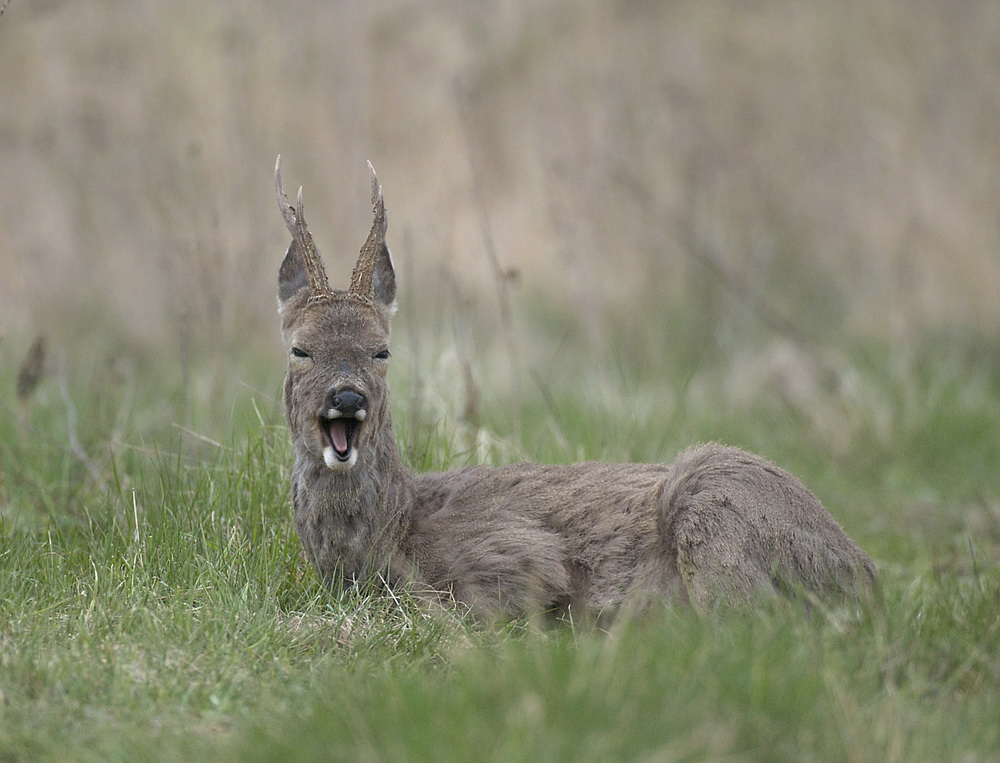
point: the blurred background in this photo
(644, 207)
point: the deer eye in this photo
(382, 355)
(300, 353)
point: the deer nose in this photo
(346, 402)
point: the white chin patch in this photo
(334, 463)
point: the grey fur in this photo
(718, 526)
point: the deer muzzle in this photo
(340, 425)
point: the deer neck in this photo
(356, 520)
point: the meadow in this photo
(165, 612)
(618, 231)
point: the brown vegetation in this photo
(835, 161)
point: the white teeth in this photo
(333, 413)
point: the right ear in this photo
(384, 280)
(292, 276)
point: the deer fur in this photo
(717, 526)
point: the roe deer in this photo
(718, 526)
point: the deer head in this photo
(336, 398)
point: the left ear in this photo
(292, 275)
(384, 279)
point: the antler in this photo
(295, 220)
(362, 277)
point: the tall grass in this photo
(836, 165)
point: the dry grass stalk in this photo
(32, 370)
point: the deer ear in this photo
(384, 279)
(292, 276)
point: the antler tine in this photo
(295, 220)
(376, 187)
(362, 277)
(310, 257)
(287, 212)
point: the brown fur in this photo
(718, 526)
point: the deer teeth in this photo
(333, 413)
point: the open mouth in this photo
(340, 437)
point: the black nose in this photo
(347, 402)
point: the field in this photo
(619, 230)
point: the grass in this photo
(164, 611)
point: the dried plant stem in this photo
(200, 437)
(703, 253)
(500, 279)
(414, 341)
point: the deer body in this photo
(719, 525)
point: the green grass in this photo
(163, 611)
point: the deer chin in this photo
(339, 436)
(333, 461)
